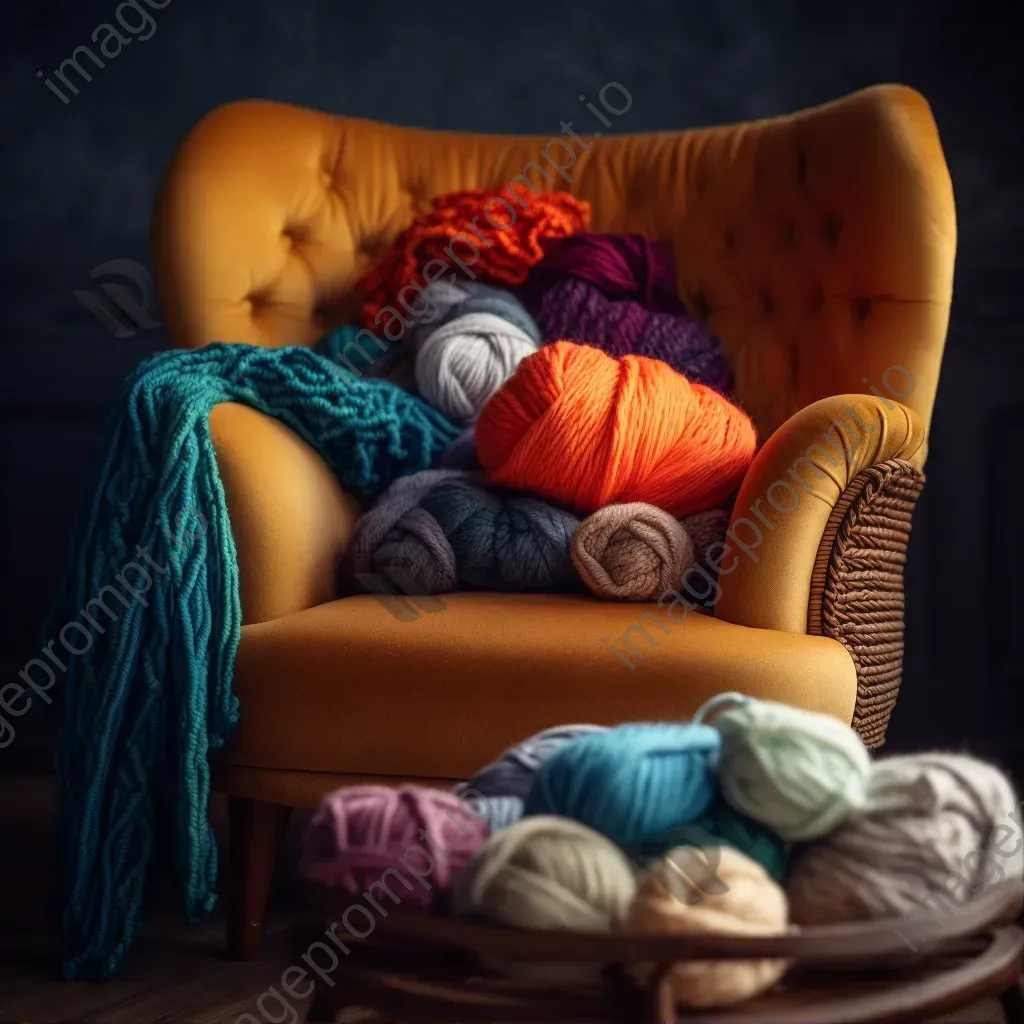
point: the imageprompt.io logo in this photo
(400, 594)
(122, 310)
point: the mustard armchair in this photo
(818, 246)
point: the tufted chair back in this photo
(818, 246)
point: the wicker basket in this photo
(413, 968)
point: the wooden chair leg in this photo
(255, 831)
(324, 1006)
(1013, 1004)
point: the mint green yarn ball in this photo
(799, 772)
(721, 826)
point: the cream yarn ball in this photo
(937, 830)
(746, 902)
(550, 873)
(462, 363)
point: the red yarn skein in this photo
(461, 221)
(578, 426)
(360, 832)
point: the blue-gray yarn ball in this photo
(447, 300)
(503, 811)
(512, 774)
(505, 541)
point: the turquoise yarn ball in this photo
(632, 782)
(722, 826)
(799, 772)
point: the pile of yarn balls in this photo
(601, 442)
(449, 529)
(750, 819)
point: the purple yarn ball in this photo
(578, 311)
(461, 453)
(359, 833)
(623, 266)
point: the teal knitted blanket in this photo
(150, 695)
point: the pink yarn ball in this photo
(427, 835)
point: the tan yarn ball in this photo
(747, 902)
(631, 552)
(546, 872)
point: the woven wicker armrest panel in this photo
(857, 585)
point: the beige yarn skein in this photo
(546, 872)
(748, 902)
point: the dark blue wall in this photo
(78, 182)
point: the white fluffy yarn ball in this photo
(937, 830)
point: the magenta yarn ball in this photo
(426, 835)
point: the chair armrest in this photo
(290, 516)
(818, 537)
(789, 494)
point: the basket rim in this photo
(850, 943)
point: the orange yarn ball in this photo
(498, 233)
(576, 425)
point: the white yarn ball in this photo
(937, 829)
(461, 364)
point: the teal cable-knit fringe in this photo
(150, 696)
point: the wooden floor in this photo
(174, 975)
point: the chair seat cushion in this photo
(348, 687)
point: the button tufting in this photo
(701, 305)
(862, 307)
(801, 167)
(767, 302)
(730, 240)
(297, 234)
(832, 227)
(373, 247)
(788, 235)
(817, 300)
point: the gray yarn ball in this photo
(367, 549)
(462, 363)
(936, 830)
